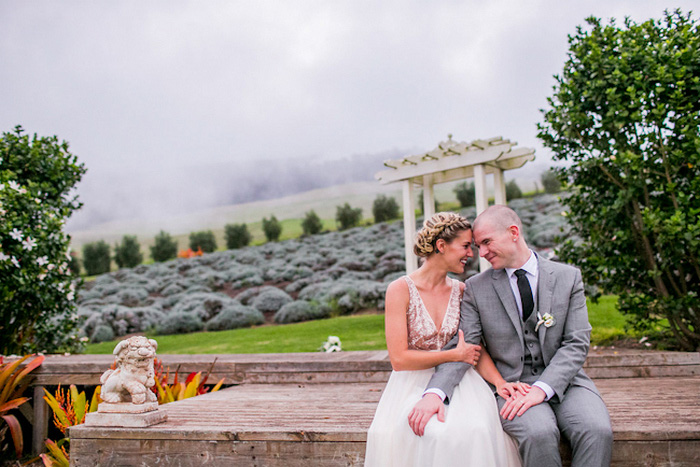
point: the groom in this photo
(531, 315)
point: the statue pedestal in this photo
(126, 414)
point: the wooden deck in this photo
(314, 409)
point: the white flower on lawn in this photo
(28, 244)
(15, 262)
(42, 260)
(332, 345)
(16, 234)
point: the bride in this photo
(422, 315)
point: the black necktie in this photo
(525, 293)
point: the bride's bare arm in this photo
(487, 369)
(402, 358)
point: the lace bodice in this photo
(422, 331)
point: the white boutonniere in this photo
(546, 319)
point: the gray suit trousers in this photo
(588, 430)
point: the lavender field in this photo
(313, 277)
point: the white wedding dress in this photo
(471, 434)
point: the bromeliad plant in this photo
(69, 409)
(193, 385)
(13, 383)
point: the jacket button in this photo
(521, 359)
(527, 332)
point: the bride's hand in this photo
(467, 353)
(512, 390)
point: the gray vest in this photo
(533, 363)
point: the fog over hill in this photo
(127, 193)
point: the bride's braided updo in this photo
(443, 225)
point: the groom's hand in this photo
(519, 405)
(428, 406)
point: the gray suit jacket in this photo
(489, 313)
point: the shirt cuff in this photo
(545, 387)
(439, 392)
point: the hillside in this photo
(328, 274)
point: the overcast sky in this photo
(146, 84)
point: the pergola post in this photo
(428, 196)
(482, 202)
(499, 187)
(409, 225)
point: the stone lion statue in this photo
(134, 376)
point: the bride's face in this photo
(456, 253)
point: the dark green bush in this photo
(311, 224)
(204, 240)
(127, 254)
(550, 181)
(74, 263)
(347, 216)
(385, 208)
(237, 236)
(513, 190)
(466, 194)
(96, 258)
(164, 248)
(272, 228)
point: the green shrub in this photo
(347, 216)
(96, 258)
(164, 248)
(37, 292)
(74, 263)
(180, 323)
(385, 208)
(312, 223)
(513, 190)
(466, 194)
(204, 240)
(237, 236)
(550, 181)
(300, 310)
(272, 228)
(127, 254)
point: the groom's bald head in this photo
(499, 217)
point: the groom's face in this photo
(495, 244)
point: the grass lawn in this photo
(362, 332)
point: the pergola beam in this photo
(448, 162)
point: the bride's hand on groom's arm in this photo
(517, 406)
(428, 406)
(467, 353)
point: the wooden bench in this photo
(314, 409)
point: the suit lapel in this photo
(545, 290)
(505, 294)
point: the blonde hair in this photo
(443, 225)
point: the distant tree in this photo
(625, 114)
(312, 223)
(127, 254)
(237, 236)
(347, 216)
(74, 263)
(164, 248)
(37, 289)
(513, 190)
(385, 208)
(550, 181)
(96, 258)
(271, 228)
(466, 194)
(421, 204)
(204, 240)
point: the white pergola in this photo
(449, 161)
